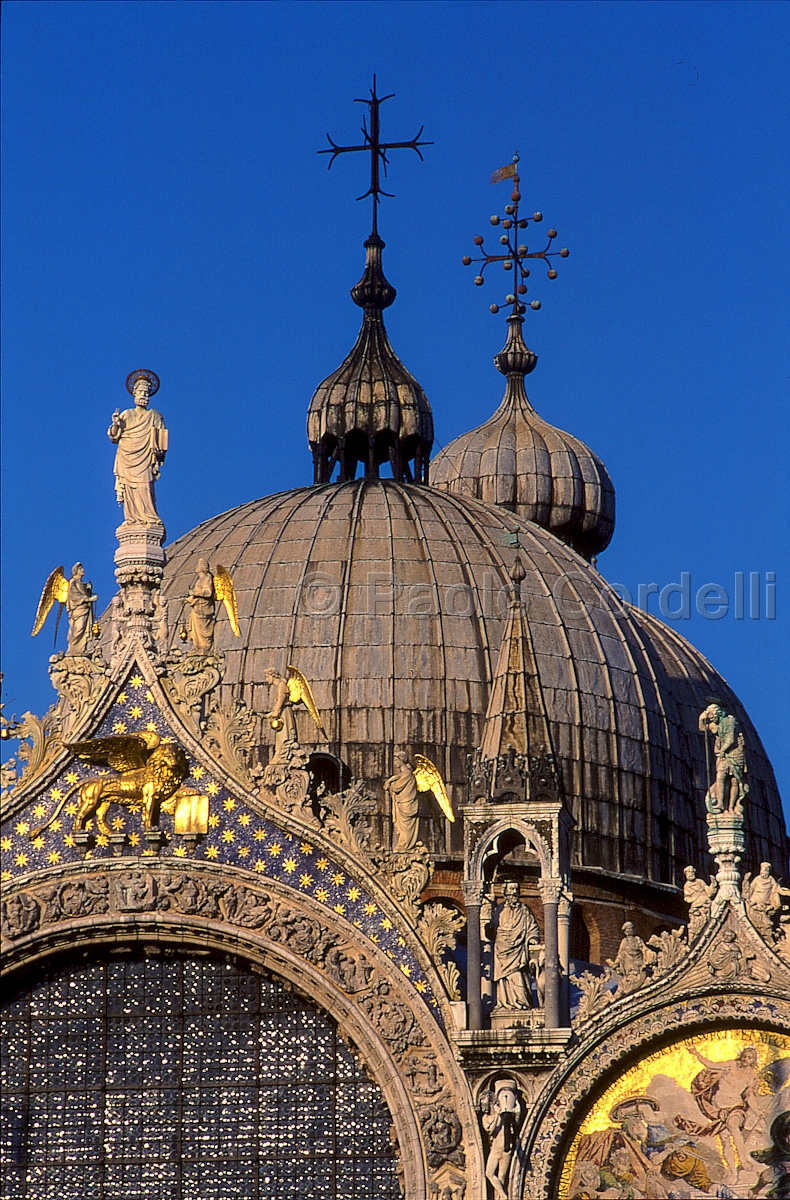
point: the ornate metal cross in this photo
(513, 257)
(376, 148)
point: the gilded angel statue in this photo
(206, 592)
(403, 787)
(77, 597)
(289, 691)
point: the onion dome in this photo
(371, 410)
(520, 462)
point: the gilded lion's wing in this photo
(299, 689)
(226, 593)
(429, 780)
(56, 588)
(121, 753)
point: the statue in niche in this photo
(501, 1116)
(729, 789)
(763, 901)
(514, 930)
(698, 895)
(142, 439)
(403, 787)
(78, 598)
(207, 590)
(633, 962)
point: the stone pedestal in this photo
(727, 845)
(140, 556)
(139, 568)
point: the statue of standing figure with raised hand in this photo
(141, 438)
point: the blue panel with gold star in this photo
(41, 837)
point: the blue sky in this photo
(165, 207)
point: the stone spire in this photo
(371, 410)
(516, 718)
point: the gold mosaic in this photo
(706, 1116)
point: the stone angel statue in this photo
(403, 787)
(206, 592)
(290, 691)
(77, 597)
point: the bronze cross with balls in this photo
(514, 256)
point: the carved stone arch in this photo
(489, 845)
(599, 1060)
(405, 1051)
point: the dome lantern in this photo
(371, 410)
(516, 459)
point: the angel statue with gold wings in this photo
(78, 598)
(206, 591)
(289, 691)
(404, 786)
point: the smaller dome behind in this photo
(520, 462)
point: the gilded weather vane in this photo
(513, 256)
(377, 149)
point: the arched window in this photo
(177, 1077)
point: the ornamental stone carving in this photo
(438, 927)
(20, 914)
(634, 962)
(443, 1134)
(395, 1021)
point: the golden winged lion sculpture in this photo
(149, 772)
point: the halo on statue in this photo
(151, 376)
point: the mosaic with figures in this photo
(705, 1116)
(43, 836)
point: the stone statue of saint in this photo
(698, 895)
(501, 1118)
(729, 789)
(402, 789)
(763, 901)
(79, 606)
(633, 961)
(515, 931)
(203, 602)
(141, 438)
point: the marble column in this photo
(550, 891)
(473, 895)
(564, 911)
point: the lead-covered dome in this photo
(392, 599)
(520, 462)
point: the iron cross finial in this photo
(377, 149)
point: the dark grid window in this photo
(178, 1078)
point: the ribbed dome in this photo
(370, 410)
(410, 665)
(520, 462)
